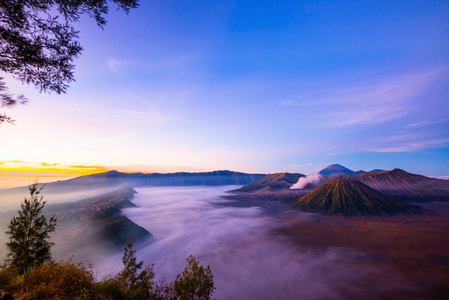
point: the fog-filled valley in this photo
(248, 260)
(257, 248)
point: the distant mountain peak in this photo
(113, 172)
(335, 169)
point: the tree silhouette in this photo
(195, 283)
(29, 233)
(137, 285)
(38, 42)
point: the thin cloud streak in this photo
(427, 123)
(413, 146)
(372, 103)
(54, 168)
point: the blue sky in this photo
(256, 86)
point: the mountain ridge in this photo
(272, 181)
(115, 178)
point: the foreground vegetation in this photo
(76, 280)
(29, 272)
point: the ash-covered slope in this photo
(349, 197)
(272, 181)
(405, 186)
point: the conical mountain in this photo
(272, 181)
(334, 170)
(404, 186)
(348, 197)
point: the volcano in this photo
(335, 169)
(349, 197)
(404, 186)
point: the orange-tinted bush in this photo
(64, 280)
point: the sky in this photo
(252, 86)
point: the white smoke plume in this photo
(303, 181)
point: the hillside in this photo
(405, 186)
(98, 218)
(90, 225)
(272, 181)
(348, 197)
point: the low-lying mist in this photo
(247, 261)
(10, 199)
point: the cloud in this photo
(166, 64)
(427, 123)
(373, 102)
(116, 66)
(25, 167)
(407, 143)
(444, 177)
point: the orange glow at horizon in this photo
(55, 169)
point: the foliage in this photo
(30, 274)
(38, 43)
(64, 280)
(29, 232)
(137, 285)
(70, 280)
(8, 278)
(195, 282)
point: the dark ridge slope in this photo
(348, 197)
(405, 186)
(360, 172)
(272, 181)
(99, 219)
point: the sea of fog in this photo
(247, 260)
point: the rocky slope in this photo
(404, 186)
(349, 197)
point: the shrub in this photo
(64, 280)
(195, 282)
